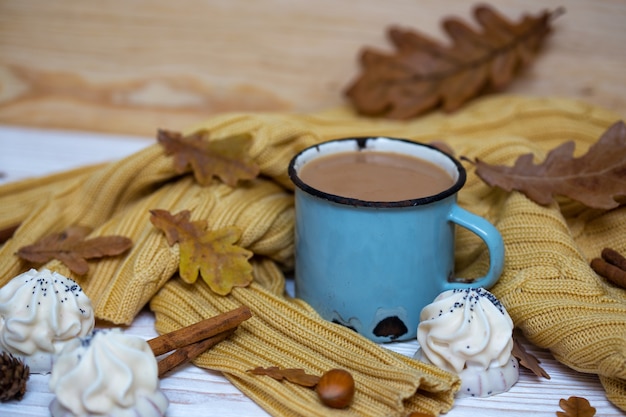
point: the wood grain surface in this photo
(196, 392)
(133, 66)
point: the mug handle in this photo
(492, 238)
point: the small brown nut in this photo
(336, 388)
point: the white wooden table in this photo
(195, 392)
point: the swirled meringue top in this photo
(109, 374)
(39, 312)
(466, 328)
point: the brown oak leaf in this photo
(71, 248)
(226, 158)
(212, 254)
(7, 232)
(528, 360)
(597, 179)
(576, 407)
(294, 375)
(423, 74)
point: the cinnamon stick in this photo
(199, 331)
(612, 273)
(190, 352)
(614, 258)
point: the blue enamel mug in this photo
(371, 265)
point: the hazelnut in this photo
(336, 388)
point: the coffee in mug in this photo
(375, 176)
(375, 245)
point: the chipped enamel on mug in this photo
(372, 266)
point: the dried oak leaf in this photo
(7, 232)
(527, 360)
(226, 158)
(576, 407)
(294, 375)
(212, 254)
(71, 248)
(423, 74)
(595, 179)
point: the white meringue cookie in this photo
(469, 332)
(40, 311)
(110, 374)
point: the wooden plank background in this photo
(132, 66)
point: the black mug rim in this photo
(362, 144)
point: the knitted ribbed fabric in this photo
(291, 335)
(547, 285)
(21, 197)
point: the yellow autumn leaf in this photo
(211, 254)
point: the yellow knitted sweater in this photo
(547, 286)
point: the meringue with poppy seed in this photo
(40, 311)
(469, 332)
(107, 374)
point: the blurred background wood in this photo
(133, 66)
